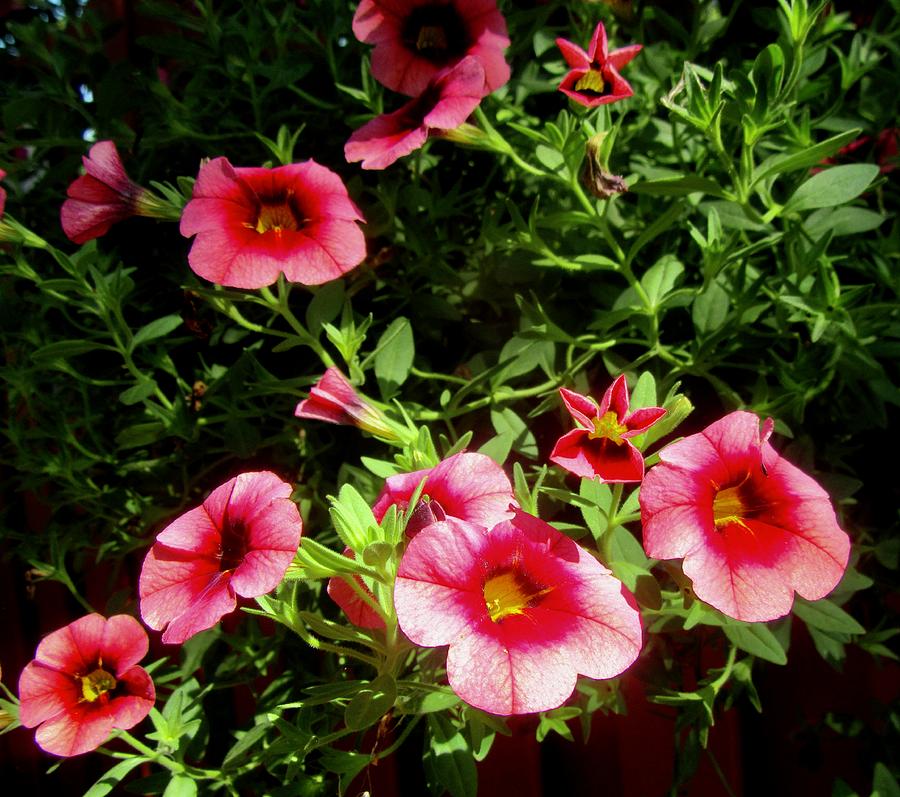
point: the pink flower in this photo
(523, 608)
(334, 400)
(601, 447)
(594, 78)
(444, 104)
(752, 527)
(466, 486)
(103, 196)
(416, 39)
(84, 682)
(240, 541)
(253, 224)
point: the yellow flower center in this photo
(608, 426)
(728, 507)
(96, 684)
(276, 217)
(508, 593)
(591, 80)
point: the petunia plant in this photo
(478, 375)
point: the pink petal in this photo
(210, 604)
(615, 398)
(622, 56)
(83, 728)
(355, 608)
(438, 593)
(124, 644)
(581, 408)
(74, 648)
(597, 51)
(575, 57)
(386, 138)
(641, 420)
(44, 693)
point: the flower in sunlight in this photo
(593, 78)
(466, 486)
(416, 39)
(252, 224)
(523, 608)
(601, 446)
(444, 104)
(752, 528)
(238, 542)
(84, 682)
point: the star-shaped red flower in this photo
(601, 447)
(594, 77)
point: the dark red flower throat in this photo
(437, 33)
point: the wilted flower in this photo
(416, 39)
(103, 196)
(445, 104)
(466, 486)
(752, 527)
(523, 608)
(594, 77)
(253, 224)
(84, 682)
(601, 446)
(240, 541)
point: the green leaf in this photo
(353, 519)
(111, 779)
(841, 221)
(710, 309)
(677, 186)
(63, 349)
(644, 393)
(325, 306)
(757, 639)
(833, 187)
(884, 783)
(371, 703)
(806, 157)
(660, 278)
(394, 358)
(826, 616)
(244, 743)
(137, 393)
(155, 329)
(523, 441)
(498, 448)
(448, 759)
(181, 786)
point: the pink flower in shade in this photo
(594, 77)
(416, 39)
(240, 541)
(253, 224)
(444, 104)
(523, 608)
(84, 682)
(103, 196)
(752, 527)
(601, 447)
(334, 400)
(466, 486)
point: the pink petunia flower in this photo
(84, 682)
(594, 77)
(523, 608)
(334, 400)
(103, 196)
(416, 39)
(253, 224)
(444, 104)
(601, 446)
(752, 527)
(466, 486)
(240, 541)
